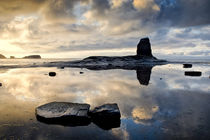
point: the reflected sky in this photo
(168, 105)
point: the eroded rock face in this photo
(63, 112)
(144, 48)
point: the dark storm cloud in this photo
(184, 12)
(129, 15)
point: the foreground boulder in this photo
(73, 114)
(106, 111)
(144, 48)
(32, 57)
(106, 116)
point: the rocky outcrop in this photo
(32, 57)
(144, 48)
(2, 56)
(143, 57)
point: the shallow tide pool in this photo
(155, 103)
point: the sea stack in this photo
(144, 48)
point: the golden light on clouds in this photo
(144, 113)
(144, 4)
(117, 3)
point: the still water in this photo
(155, 103)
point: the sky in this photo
(80, 28)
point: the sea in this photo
(160, 102)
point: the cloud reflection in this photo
(176, 105)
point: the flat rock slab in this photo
(63, 112)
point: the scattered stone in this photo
(144, 48)
(193, 73)
(32, 57)
(52, 74)
(187, 65)
(81, 72)
(0, 84)
(73, 114)
(62, 67)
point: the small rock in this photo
(52, 74)
(62, 67)
(161, 78)
(64, 113)
(81, 72)
(193, 73)
(0, 84)
(187, 65)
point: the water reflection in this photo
(143, 74)
(176, 107)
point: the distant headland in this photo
(25, 57)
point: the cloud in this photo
(49, 25)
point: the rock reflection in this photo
(143, 74)
(105, 124)
(65, 121)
